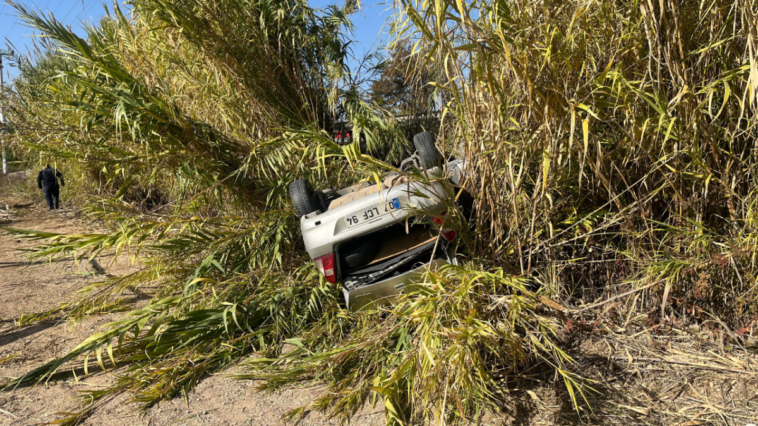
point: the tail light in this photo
(447, 234)
(326, 266)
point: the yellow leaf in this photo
(99, 353)
(727, 92)
(461, 9)
(586, 131)
(545, 169)
(428, 354)
(438, 10)
(573, 128)
(197, 280)
(589, 111)
(110, 353)
(668, 131)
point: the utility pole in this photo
(2, 118)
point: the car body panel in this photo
(323, 231)
(384, 292)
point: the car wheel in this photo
(358, 253)
(426, 150)
(303, 197)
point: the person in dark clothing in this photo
(47, 180)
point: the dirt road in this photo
(32, 287)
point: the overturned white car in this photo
(362, 235)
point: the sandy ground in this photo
(27, 287)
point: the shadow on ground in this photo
(16, 334)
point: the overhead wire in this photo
(72, 9)
(58, 7)
(9, 31)
(52, 11)
(85, 7)
(47, 4)
(84, 11)
(16, 22)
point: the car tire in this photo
(303, 197)
(426, 150)
(358, 253)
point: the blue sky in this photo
(369, 23)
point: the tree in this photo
(402, 88)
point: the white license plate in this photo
(370, 214)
